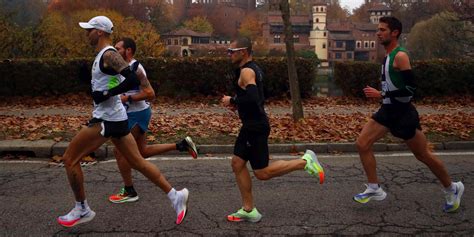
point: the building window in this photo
(339, 44)
(329, 55)
(169, 42)
(317, 20)
(176, 42)
(372, 44)
(296, 38)
(366, 44)
(349, 55)
(324, 34)
(324, 45)
(358, 44)
(276, 39)
(338, 55)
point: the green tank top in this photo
(391, 79)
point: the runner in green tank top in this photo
(398, 116)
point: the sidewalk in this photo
(50, 148)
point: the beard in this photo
(236, 63)
(385, 42)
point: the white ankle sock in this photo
(374, 186)
(451, 188)
(172, 195)
(82, 205)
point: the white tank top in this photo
(135, 106)
(112, 108)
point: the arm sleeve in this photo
(410, 87)
(250, 97)
(129, 83)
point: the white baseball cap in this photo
(102, 23)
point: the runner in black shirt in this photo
(252, 143)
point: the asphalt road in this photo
(33, 194)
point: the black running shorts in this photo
(402, 120)
(111, 129)
(252, 145)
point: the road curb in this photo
(49, 148)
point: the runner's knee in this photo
(69, 162)
(363, 144)
(237, 165)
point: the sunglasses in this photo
(231, 51)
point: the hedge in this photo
(168, 76)
(433, 78)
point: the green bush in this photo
(433, 78)
(43, 77)
(169, 77)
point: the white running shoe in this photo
(180, 206)
(76, 216)
(453, 199)
(370, 194)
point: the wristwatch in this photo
(105, 93)
(382, 93)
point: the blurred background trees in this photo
(32, 28)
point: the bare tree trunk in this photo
(297, 106)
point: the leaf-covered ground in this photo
(326, 119)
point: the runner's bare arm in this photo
(146, 90)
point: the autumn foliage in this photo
(326, 119)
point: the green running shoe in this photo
(242, 215)
(313, 167)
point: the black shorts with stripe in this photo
(111, 129)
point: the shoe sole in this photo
(132, 199)
(186, 206)
(375, 198)
(192, 147)
(317, 165)
(237, 219)
(82, 220)
(458, 200)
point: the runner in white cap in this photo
(109, 121)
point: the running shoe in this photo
(370, 194)
(313, 167)
(76, 216)
(242, 215)
(181, 205)
(191, 147)
(123, 196)
(453, 199)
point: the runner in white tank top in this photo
(110, 109)
(109, 122)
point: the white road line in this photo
(228, 157)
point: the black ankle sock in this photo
(130, 190)
(182, 145)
